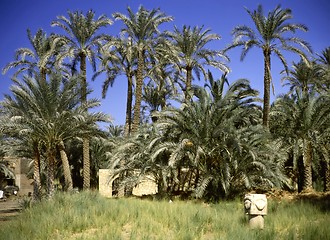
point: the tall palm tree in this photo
(36, 61)
(39, 59)
(118, 57)
(142, 29)
(272, 36)
(193, 54)
(162, 85)
(80, 43)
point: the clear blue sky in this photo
(218, 15)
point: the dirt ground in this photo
(9, 209)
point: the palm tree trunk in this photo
(86, 164)
(161, 87)
(36, 175)
(267, 79)
(51, 172)
(86, 158)
(83, 96)
(128, 121)
(43, 74)
(308, 183)
(138, 93)
(188, 83)
(66, 167)
(327, 177)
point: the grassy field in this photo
(87, 215)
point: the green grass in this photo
(87, 215)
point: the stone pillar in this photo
(255, 206)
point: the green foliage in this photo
(42, 115)
(212, 147)
(39, 59)
(301, 119)
(82, 37)
(273, 34)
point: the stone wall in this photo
(147, 185)
(20, 168)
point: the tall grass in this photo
(89, 216)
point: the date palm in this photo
(118, 57)
(273, 34)
(80, 42)
(304, 81)
(324, 60)
(5, 171)
(155, 97)
(143, 30)
(218, 152)
(305, 119)
(303, 76)
(50, 114)
(189, 44)
(162, 85)
(38, 59)
(23, 144)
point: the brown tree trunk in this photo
(36, 175)
(161, 87)
(138, 92)
(128, 121)
(188, 83)
(327, 177)
(43, 75)
(51, 172)
(86, 157)
(307, 156)
(86, 164)
(83, 97)
(267, 79)
(66, 168)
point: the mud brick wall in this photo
(147, 186)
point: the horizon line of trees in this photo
(216, 144)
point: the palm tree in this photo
(142, 29)
(303, 76)
(193, 55)
(214, 145)
(306, 120)
(118, 57)
(155, 97)
(80, 43)
(324, 60)
(272, 37)
(162, 84)
(304, 81)
(115, 130)
(39, 59)
(130, 160)
(49, 113)
(5, 171)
